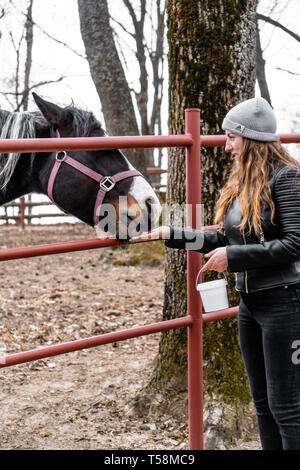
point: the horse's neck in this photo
(25, 179)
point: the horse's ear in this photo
(53, 113)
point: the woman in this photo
(258, 213)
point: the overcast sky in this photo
(60, 19)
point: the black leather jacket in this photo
(268, 262)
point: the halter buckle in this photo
(61, 159)
(107, 184)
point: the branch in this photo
(131, 12)
(122, 26)
(9, 101)
(278, 25)
(49, 35)
(28, 90)
(116, 36)
(288, 71)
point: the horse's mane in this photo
(84, 122)
(15, 126)
(23, 126)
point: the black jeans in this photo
(269, 333)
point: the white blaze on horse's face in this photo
(147, 202)
(133, 214)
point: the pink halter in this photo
(106, 183)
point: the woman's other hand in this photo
(217, 260)
(158, 233)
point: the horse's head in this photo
(128, 203)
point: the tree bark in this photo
(108, 74)
(212, 57)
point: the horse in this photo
(80, 183)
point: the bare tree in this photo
(107, 56)
(28, 60)
(148, 32)
(108, 74)
(260, 61)
(50, 36)
(2, 13)
(149, 54)
(21, 82)
(260, 69)
(23, 69)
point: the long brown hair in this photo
(249, 182)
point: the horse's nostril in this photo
(150, 204)
(153, 209)
(149, 201)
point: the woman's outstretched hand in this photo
(217, 260)
(159, 233)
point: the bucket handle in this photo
(200, 273)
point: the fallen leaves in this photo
(79, 400)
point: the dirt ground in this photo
(81, 400)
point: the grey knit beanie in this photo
(253, 119)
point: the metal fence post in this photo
(22, 211)
(194, 306)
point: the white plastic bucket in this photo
(213, 295)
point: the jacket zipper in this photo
(246, 273)
(262, 237)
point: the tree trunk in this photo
(212, 57)
(28, 64)
(28, 61)
(108, 74)
(260, 69)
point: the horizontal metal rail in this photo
(220, 314)
(57, 248)
(7, 254)
(106, 338)
(92, 143)
(100, 143)
(93, 341)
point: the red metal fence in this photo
(24, 206)
(24, 215)
(194, 318)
